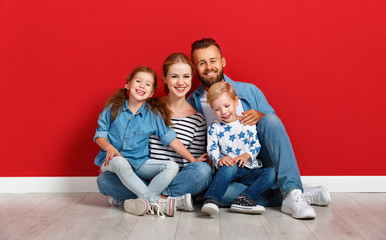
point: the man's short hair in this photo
(204, 43)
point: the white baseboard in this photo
(88, 184)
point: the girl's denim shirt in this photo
(130, 134)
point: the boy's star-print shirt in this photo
(233, 139)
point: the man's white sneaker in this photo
(184, 202)
(137, 206)
(296, 205)
(317, 195)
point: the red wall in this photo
(321, 64)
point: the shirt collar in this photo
(141, 111)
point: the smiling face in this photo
(225, 108)
(209, 65)
(179, 79)
(141, 87)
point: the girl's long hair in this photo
(118, 99)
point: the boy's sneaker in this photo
(317, 195)
(184, 202)
(243, 204)
(296, 205)
(210, 207)
(137, 206)
(115, 203)
(164, 207)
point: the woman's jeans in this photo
(276, 151)
(258, 181)
(193, 178)
(160, 174)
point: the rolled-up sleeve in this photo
(164, 133)
(103, 124)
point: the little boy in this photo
(233, 147)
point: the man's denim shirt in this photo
(250, 96)
(130, 134)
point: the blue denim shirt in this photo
(250, 96)
(130, 134)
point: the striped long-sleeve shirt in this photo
(191, 131)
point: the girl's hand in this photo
(227, 161)
(111, 152)
(242, 159)
(251, 117)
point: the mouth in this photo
(140, 92)
(227, 117)
(180, 89)
(211, 73)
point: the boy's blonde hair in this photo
(219, 88)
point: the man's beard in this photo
(207, 82)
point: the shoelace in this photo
(154, 207)
(299, 197)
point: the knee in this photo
(270, 174)
(172, 166)
(270, 120)
(228, 169)
(202, 170)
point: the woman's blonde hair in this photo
(219, 88)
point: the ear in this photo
(237, 101)
(223, 61)
(127, 86)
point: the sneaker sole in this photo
(244, 209)
(137, 206)
(210, 209)
(172, 203)
(298, 216)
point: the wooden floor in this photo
(89, 216)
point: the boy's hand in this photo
(111, 152)
(251, 117)
(242, 159)
(227, 161)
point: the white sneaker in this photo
(210, 208)
(137, 206)
(115, 202)
(165, 207)
(317, 195)
(296, 205)
(184, 202)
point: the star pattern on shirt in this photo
(213, 146)
(220, 135)
(241, 135)
(229, 149)
(232, 137)
(238, 151)
(227, 128)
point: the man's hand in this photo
(227, 161)
(251, 117)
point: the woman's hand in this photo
(204, 158)
(242, 159)
(251, 117)
(111, 152)
(227, 161)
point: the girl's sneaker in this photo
(184, 202)
(242, 204)
(163, 207)
(115, 202)
(210, 207)
(137, 206)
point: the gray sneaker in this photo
(137, 206)
(317, 195)
(184, 202)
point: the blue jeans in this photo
(193, 178)
(257, 180)
(160, 174)
(276, 151)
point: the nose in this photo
(180, 81)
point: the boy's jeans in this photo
(257, 180)
(193, 178)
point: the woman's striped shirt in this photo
(191, 131)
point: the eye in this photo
(227, 105)
(173, 76)
(148, 84)
(201, 63)
(186, 76)
(213, 61)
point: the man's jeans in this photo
(193, 178)
(257, 180)
(276, 151)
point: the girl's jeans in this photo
(160, 174)
(193, 178)
(258, 181)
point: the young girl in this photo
(234, 147)
(125, 125)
